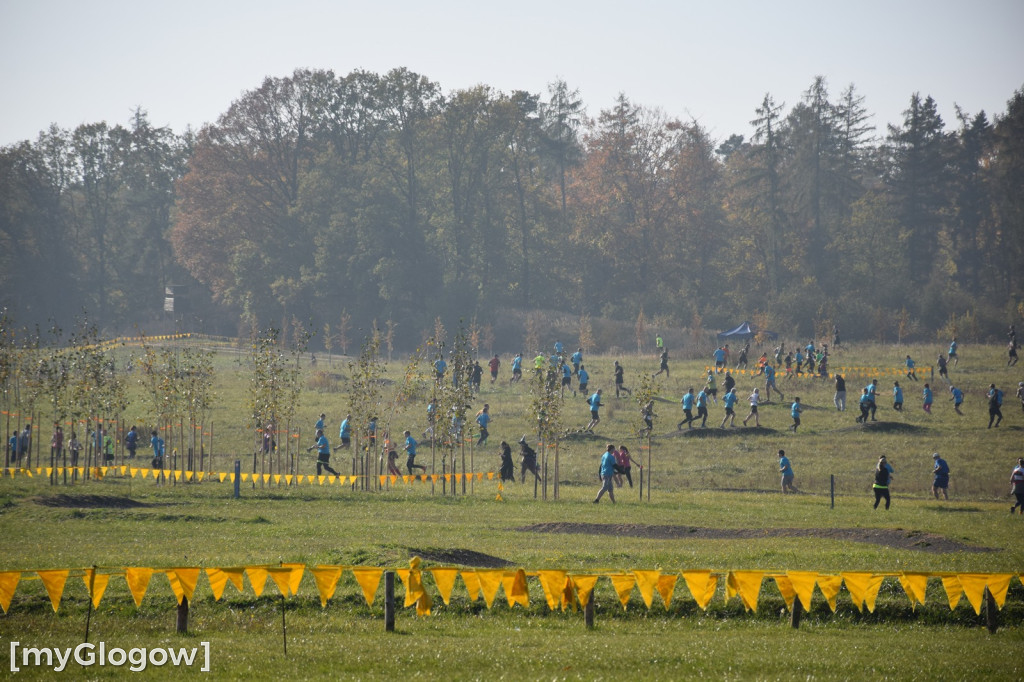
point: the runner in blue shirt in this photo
(323, 453)
(410, 451)
(584, 376)
(926, 394)
(769, 383)
(897, 396)
(957, 398)
(439, 368)
(953, 357)
(517, 368)
(719, 359)
(607, 474)
(576, 359)
(158, 450)
(940, 480)
(786, 469)
(595, 405)
(794, 411)
(911, 369)
(345, 432)
(687, 403)
(559, 348)
(320, 422)
(730, 412)
(702, 408)
(483, 419)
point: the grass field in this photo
(716, 488)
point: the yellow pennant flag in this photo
(327, 582)
(54, 581)
(514, 583)
(803, 586)
(200, 475)
(188, 475)
(223, 475)
(183, 581)
(472, 583)
(747, 584)
(785, 586)
(568, 595)
(829, 586)
(998, 584)
(915, 585)
(863, 588)
(96, 585)
(414, 592)
(383, 480)
(145, 473)
(257, 578)
(277, 479)
(394, 479)
(8, 583)
(218, 581)
(490, 475)
(320, 479)
(444, 578)
(623, 584)
(368, 579)
(973, 585)
(702, 586)
(177, 475)
(584, 585)
(49, 471)
(245, 477)
(490, 581)
(294, 576)
(331, 480)
(406, 478)
(266, 478)
(646, 581)
(138, 581)
(288, 479)
(280, 575)
(951, 584)
(423, 604)
(666, 587)
(553, 583)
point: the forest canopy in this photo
(330, 200)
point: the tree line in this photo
(333, 201)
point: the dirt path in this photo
(896, 538)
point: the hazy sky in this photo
(81, 61)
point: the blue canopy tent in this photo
(745, 332)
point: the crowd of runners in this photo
(568, 372)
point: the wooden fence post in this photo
(389, 601)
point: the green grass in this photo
(707, 482)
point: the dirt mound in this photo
(715, 432)
(883, 427)
(896, 538)
(89, 502)
(460, 557)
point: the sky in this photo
(68, 62)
